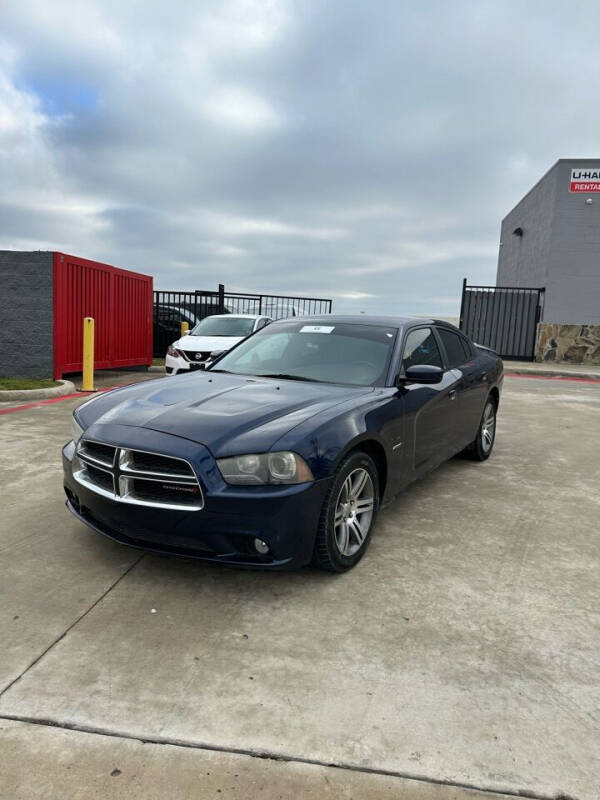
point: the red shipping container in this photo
(120, 301)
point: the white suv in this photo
(211, 337)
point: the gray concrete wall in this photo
(26, 314)
(560, 246)
(573, 283)
(523, 260)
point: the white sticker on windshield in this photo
(317, 328)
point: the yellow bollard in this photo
(88, 355)
(184, 328)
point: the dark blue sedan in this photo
(282, 453)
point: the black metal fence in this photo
(504, 318)
(173, 308)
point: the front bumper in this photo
(285, 517)
(175, 365)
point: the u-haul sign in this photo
(585, 180)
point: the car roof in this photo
(237, 316)
(367, 319)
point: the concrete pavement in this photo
(84, 766)
(462, 649)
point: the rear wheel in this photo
(481, 448)
(348, 515)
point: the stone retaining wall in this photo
(575, 344)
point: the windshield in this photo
(338, 353)
(225, 325)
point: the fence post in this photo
(221, 298)
(538, 317)
(462, 303)
(87, 384)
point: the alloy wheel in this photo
(354, 511)
(488, 427)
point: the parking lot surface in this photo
(461, 653)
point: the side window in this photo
(454, 348)
(421, 348)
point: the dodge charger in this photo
(283, 451)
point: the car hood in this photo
(207, 343)
(229, 414)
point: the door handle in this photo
(452, 394)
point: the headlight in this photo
(263, 468)
(76, 430)
(171, 351)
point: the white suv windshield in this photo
(335, 353)
(224, 326)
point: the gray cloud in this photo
(362, 150)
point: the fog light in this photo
(261, 547)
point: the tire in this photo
(483, 444)
(338, 547)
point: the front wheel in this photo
(348, 515)
(481, 448)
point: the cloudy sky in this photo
(364, 151)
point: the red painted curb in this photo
(551, 377)
(52, 400)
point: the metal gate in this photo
(503, 318)
(173, 308)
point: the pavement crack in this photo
(71, 626)
(273, 756)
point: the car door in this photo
(430, 409)
(471, 387)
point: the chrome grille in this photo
(139, 477)
(97, 453)
(158, 491)
(153, 464)
(102, 478)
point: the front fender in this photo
(325, 440)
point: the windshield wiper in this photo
(286, 376)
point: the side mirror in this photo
(424, 373)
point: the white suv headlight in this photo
(264, 468)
